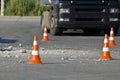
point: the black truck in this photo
(90, 15)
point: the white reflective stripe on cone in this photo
(35, 52)
(111, 32)
(45, 34)
(111, 38)
(105, 40)
(105, 49)
(35, 42)
(45, 29)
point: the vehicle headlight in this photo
(60, 4)
(113, 19)
(103, 1)
(114, 10)
(64, 19)
(64, 10)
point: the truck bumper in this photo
(87, 25)
(88, 20)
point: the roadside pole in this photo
(2, 7)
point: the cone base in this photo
(105, 57)
(112, 43)
(45, 39)
(35, 59)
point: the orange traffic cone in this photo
(111, 39)
(45, 34)
(35, 58)
(105, 52)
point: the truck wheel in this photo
(54, 30)
(43, 21)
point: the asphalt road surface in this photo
(72, 56)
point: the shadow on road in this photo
(77, 33)
(7, 41)
(80, 34)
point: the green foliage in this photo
(23, 8)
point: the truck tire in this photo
(45, 20)
(54, 30)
